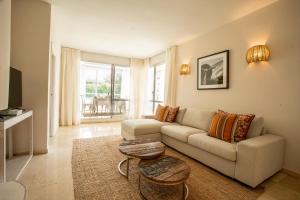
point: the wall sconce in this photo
(185, 69)
(258, 53)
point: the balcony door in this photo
(104, 89)
(156, 84)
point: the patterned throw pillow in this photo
(171, 114)
(221, 125)
(160, 112)
(242, 127)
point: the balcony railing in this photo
(103, 106)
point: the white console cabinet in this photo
(12, 164)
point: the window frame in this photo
(153, 100)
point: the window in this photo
(156, 86)
(122, 81)
(121, 92)
(104, 89)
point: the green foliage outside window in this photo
(90, 89)
(103, 89)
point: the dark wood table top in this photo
(166, 170)
(142, 148)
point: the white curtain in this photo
(147, 87)
(69, 87)
(170, 79)
(137, 87)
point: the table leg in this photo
(185, 191)
(10, 143)
(127, 167)
(2, 156)
(30, 135)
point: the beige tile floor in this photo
(49, 176)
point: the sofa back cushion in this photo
(256, 127)
(180, 115)
(197, 118)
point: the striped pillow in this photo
(221, 125)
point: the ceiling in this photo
(142, 28)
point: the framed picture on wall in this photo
(213, 71)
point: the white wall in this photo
(270, 89)
(54, 86)
(30, 38)
(54, 75)
(5, 12)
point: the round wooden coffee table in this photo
(141, 148)
(165, 171)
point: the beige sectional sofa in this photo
(250, 161)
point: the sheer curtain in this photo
(69, 87)
(137, 87)
(171, 74)
(148, 84)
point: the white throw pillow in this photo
(180, 115)
(256, 127)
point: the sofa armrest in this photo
(259, 158)
(148, 116)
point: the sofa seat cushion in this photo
(142, 126)
(215, 146)
(180, 132)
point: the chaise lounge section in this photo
(250, 161)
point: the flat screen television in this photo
(15, 89)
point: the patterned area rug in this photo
(96, 176)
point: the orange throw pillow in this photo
(221, 125)
(160, 112)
